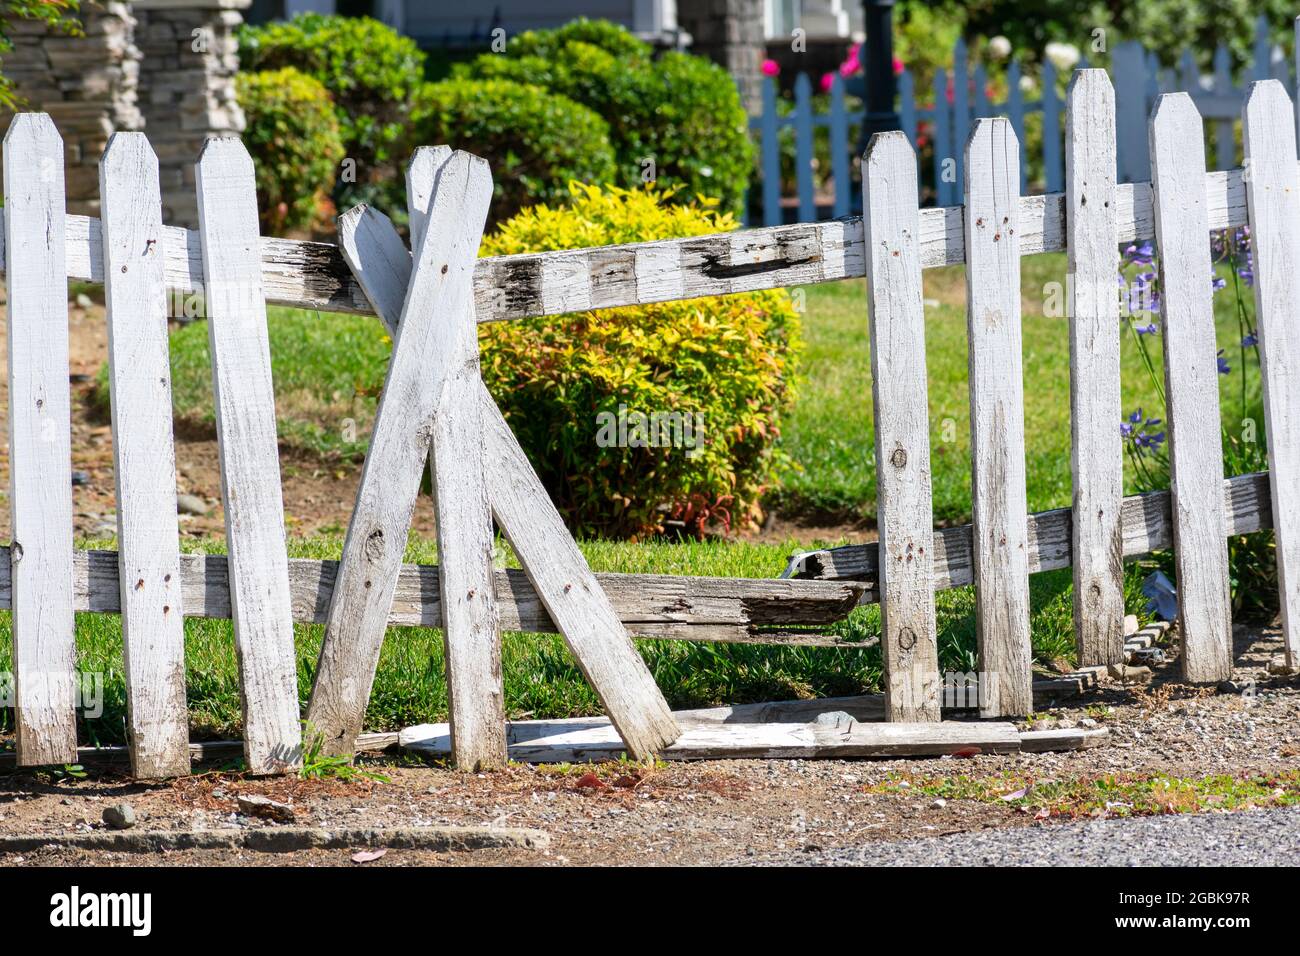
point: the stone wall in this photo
(87, 84)
(164, 66)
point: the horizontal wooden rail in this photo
(313, 275)
(736, 610)
(1147, 523)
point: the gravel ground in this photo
(755, 811)
(1246, 838)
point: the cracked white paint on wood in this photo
(244, 403)
(1191, 389)
(144, 459)
(902, 423)
(1273, 192)
(1096, 453)
(998, 495)
(40, 443)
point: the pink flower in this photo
(827, 80)
(771, 68)
(898, 66)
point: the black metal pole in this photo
(880, 83)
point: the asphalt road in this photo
(1243, 838)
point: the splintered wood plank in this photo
(594, 739)
(1273, 191)
(573, 597)
(144, 459)
(1191, 389)
(244, 403)
(897, 318)
(313, 275)
(1096, 453)
(998, 496)
(432, 345)
(40, 443)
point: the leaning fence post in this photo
(1096, 453)
(891, 224)
(1191, 388)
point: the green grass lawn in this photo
(541, 678)
(829, 434)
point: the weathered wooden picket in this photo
(959, 97)
(435, 407)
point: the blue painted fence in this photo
(1134, 70)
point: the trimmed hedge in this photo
(535, 141)
(294, 137)
(680, 111)
(637, 416)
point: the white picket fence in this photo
(435, 406)
(961, 95)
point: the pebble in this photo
(939, 803)
(256, 805)
(84, 301)
(191, 505)
(120, 816)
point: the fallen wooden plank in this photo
(144, 459)
(1192, 391)
(209, 750)
(1042, 741)
(739, 610)
(594, 739)
(1147, 527)
(40, 443)
(313, 275)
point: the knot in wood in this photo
(907, 639)
(899, 458)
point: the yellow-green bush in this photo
(561, 380)
(294, 138)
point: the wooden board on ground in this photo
(1192, 390)
(1096, 455)
(998, 492)
(144, 459)
(250, 457)
(1273, 191)
(593, 739)
(896, 315)
(555, 569)
(40, 443)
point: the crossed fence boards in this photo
(431, 299)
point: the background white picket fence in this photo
(961, 95)
(430, 301)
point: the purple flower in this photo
(1250, 340)
(1224, 367)
(1217, 283)
(1149, 329)
(1136, 427)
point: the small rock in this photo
(256, 805)
(1234, 686)
(191, 505)
(1088, 722)
(84, 301)
(1127, 671)
(120, 816)
(1130, 624)
(939, 803)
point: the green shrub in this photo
(295, 141)
(536, 142)
(679, 111)
(570, 384)
(370, 69)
